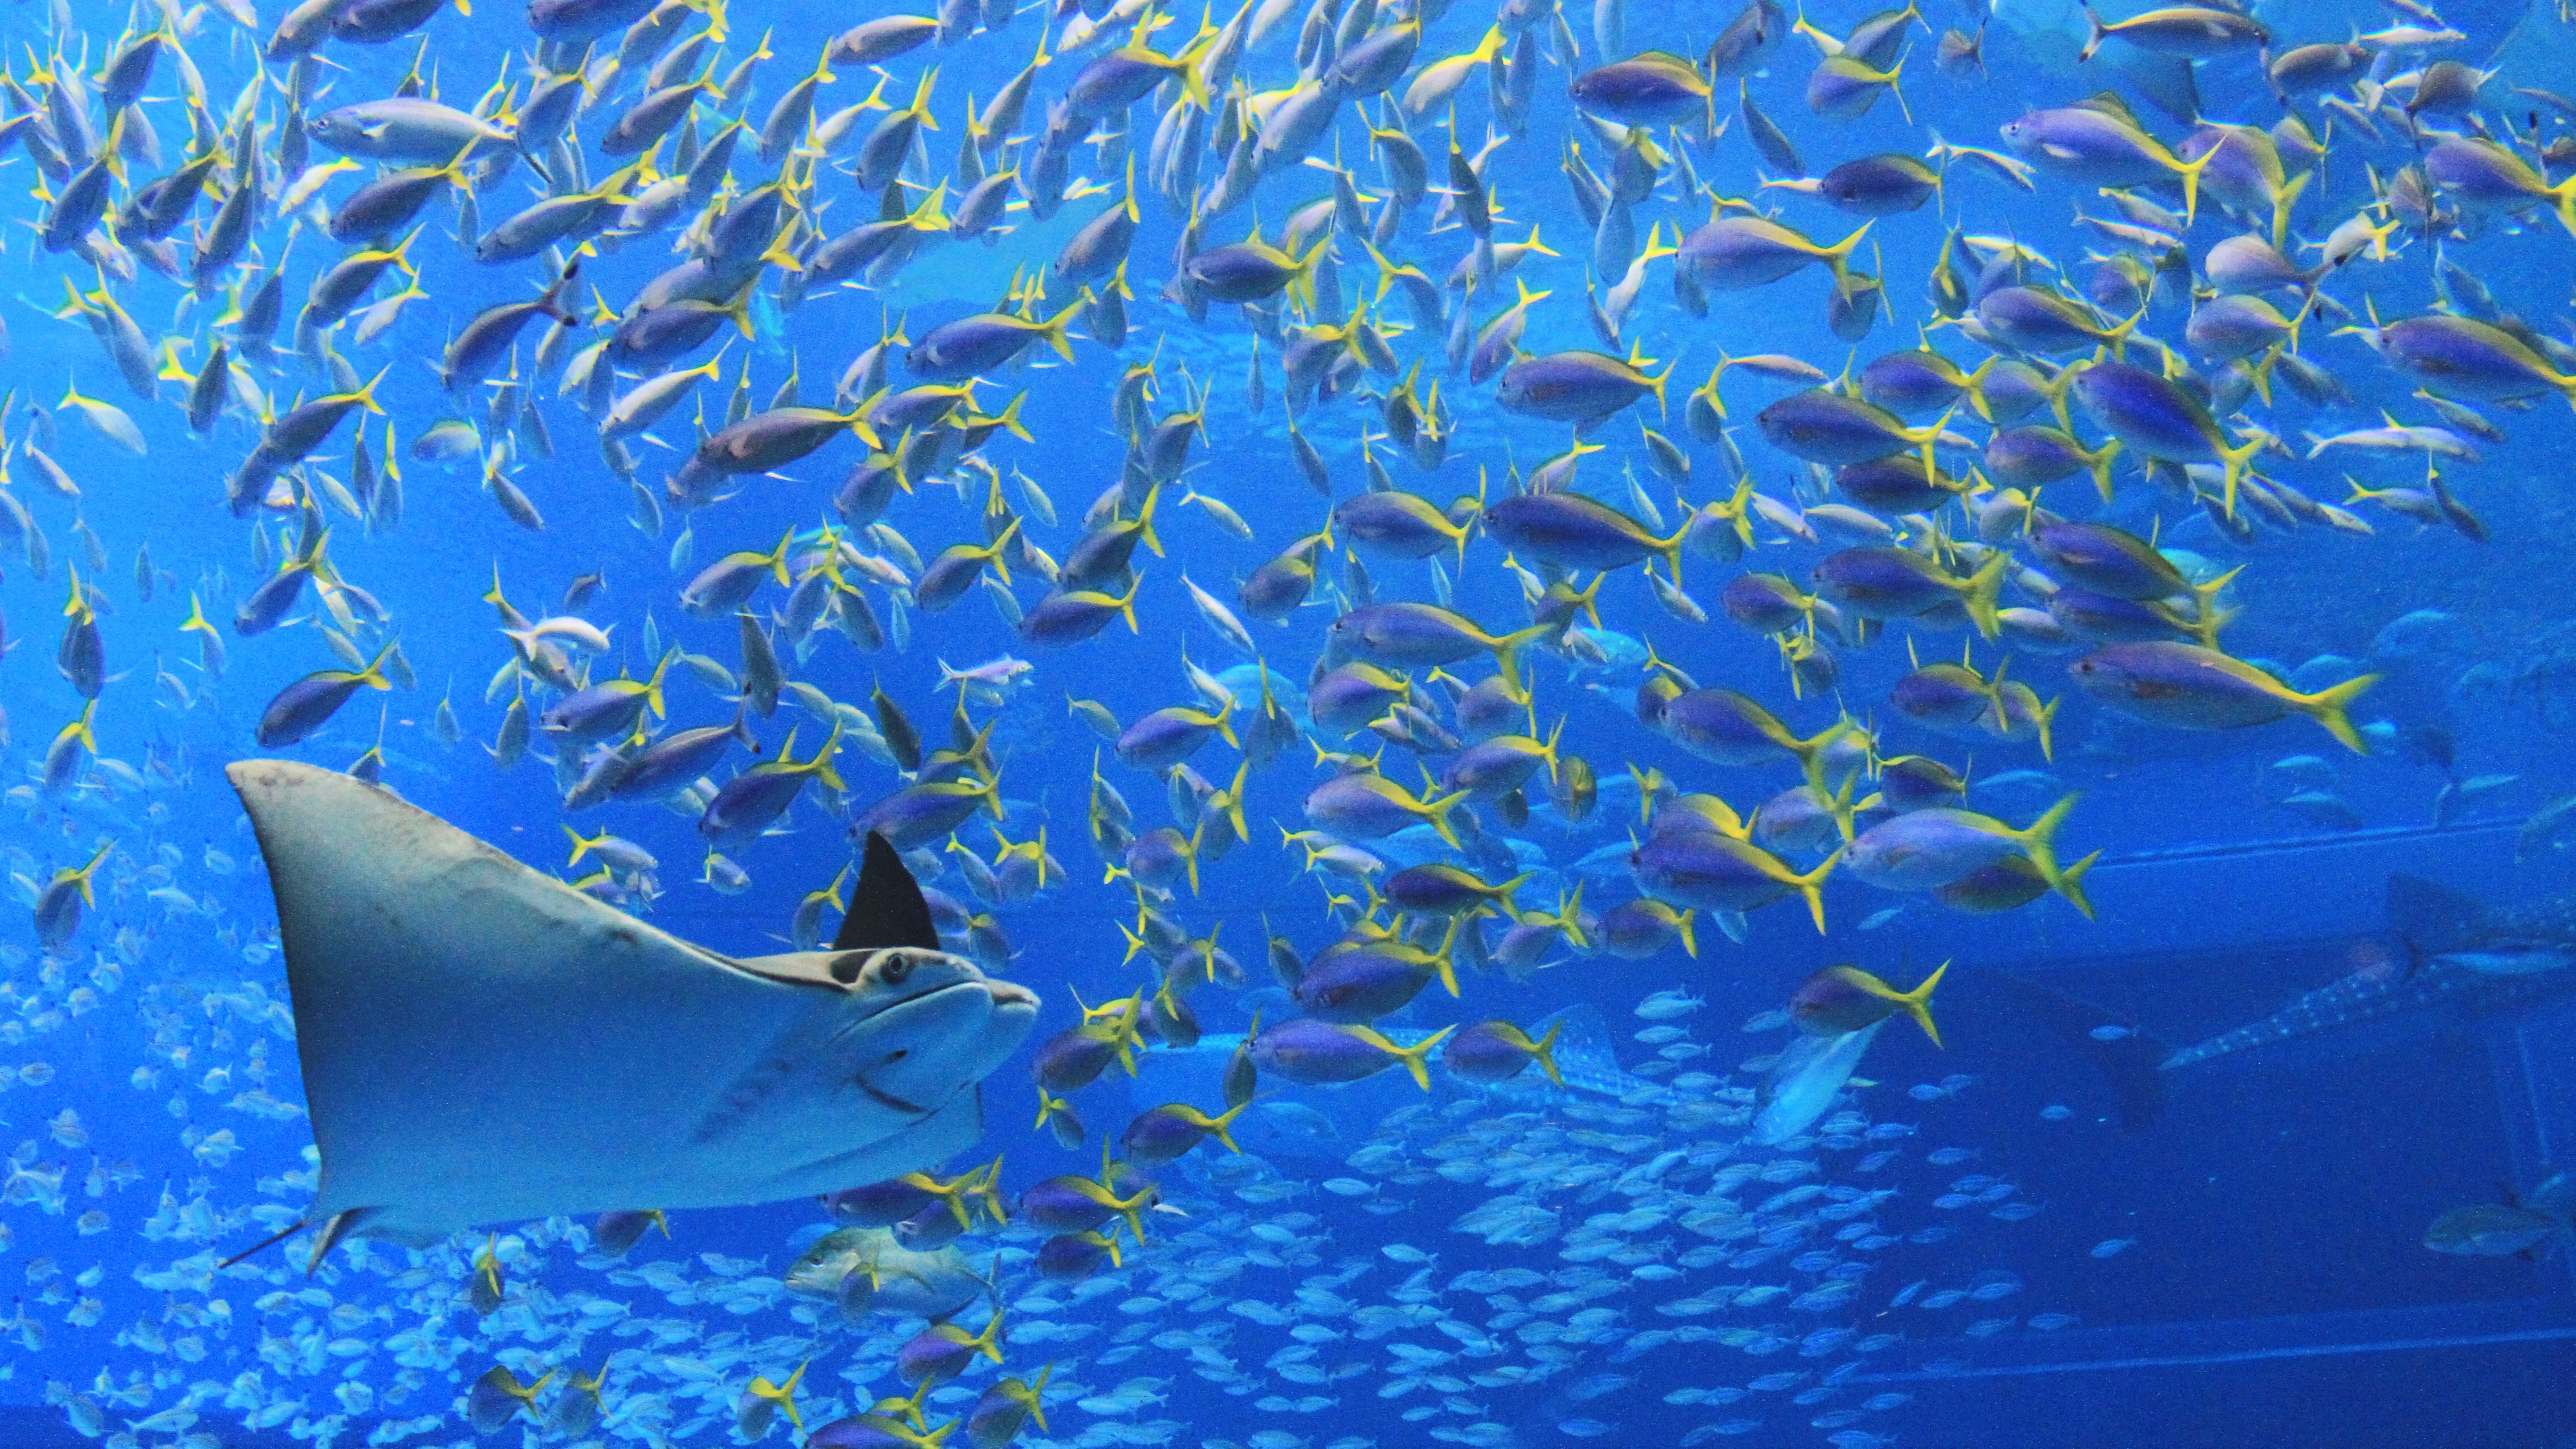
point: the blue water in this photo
(1982, 1243)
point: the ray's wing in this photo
(455, 1009)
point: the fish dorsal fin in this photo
(886, 908)
(2108, 103)
(2430, 916)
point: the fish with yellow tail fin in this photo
(1311, 1051)
(1725, 727)
(748, 803)
(1408, 634)
(2189, 686)
(613, 1233)
(1843, 999)
(955, 351)
(1074, 1058)
(71, 744)
(805, 928)
(763, 1401)
(1434, 84)
(1004, 1407)
(1690, 864)
(1439, 889)
(1566, 919)
(497, 1397)
(1738, 253)
(1497, 1051)
(880, 1429)
(483, 1287)
(210, 641)
(1167, 1133)
(577, 1409)
(1925, 850)
(2099, 142)
(1580, 387)
(1072, 1257)
(1071, 1203)
(1057, 1116)
(884, 1204)
(2156, 418)
(308, 703)
(59, 904)
(1634, 930)
(1252, 270)
(1370, 806)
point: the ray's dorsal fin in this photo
(886, 908)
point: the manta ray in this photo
(481, 1043)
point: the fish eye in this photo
(895, 970)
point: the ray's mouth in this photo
(1002, 995)
(888, 1099)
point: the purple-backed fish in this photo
(1496, 1051)
(1073, 1204)
(1717, 872)
(1357, 986)
(1408, 634)
(1072, 1257)
(2187, 686)
(1635, 930)
(1369, 806)
(1842, 999)
(1167, 1133)
(752, 801)
(921, 813)
(308, 704)
(1579, 387)
(1651, 88)
(1896, 583)
(943, 1350)
(1001, 1410)
(1316, 1052)
(1574, 531)
(1924, 850)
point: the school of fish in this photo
(1414, 579)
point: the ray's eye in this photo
(895, 970)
